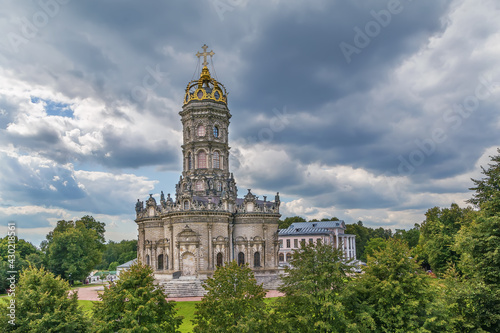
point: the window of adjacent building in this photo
(216, 132)
(288, 257)
(281, 243)
(318, 241)
(288, 243)
(303, 241)
(281, 257)
(202, 160)
(256, 259)
(201, 130)
(219, 259)
(311, 240)
(241, 259)
(295, 243)
(216, 162)
(160, 262)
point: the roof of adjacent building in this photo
(127, 264)
(320, 224)
(303, 231)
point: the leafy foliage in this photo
(437, 236)
(312, 285)
(74, 248)
(44, 304)
(488, 188)
(364, 234)
(289, 220)
(21, 255)
(393, 295)
(119, 252)
(135, 304)
(234, 302)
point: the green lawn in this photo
(185, 309)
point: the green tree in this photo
(437, 236)
(135, 304)
(234, 302)
(374, 245)
(312, 285)
(120, 252)
(22, 247)
(488, 188)
(393, 295)
(43, 303)
(289, 220)
(409, 236)
(16, 255)
(73, 252)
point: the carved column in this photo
(209, 259)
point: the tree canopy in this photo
(74, 248)
(312, 284)
(44, 304)
(234, 302)
(135, 304)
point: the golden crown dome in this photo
(206, 87)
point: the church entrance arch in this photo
(188, 264)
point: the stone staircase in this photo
(183, 288)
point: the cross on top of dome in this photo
(205, 54)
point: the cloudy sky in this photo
(364, 110)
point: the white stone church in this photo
(206, 225)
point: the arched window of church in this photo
(219, 186)
(186, 205)
(288, 257)
(256, 259)
(188, 133)
(281, 257)
(199, 185)
(160, 262)
(241, 259)
(201, 130)
(190, 161)
(216, 132)
(219, 259)
(216, 163)
(147, 259)
(202, 160)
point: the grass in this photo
(185, 309)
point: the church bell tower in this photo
(205, 150)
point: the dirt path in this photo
(90, 294)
